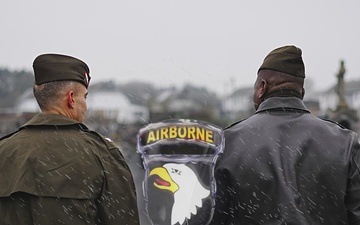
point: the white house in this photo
(238, 104)
(27, 103)
(115, 106)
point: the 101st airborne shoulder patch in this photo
(179, 157)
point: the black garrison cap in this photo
(56, 67)
(286, 59)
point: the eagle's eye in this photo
(176, 171)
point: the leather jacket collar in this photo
(283, 104)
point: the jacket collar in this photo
(282, 103)
(52, 120)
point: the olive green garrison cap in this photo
(56, 67)
(286, 59)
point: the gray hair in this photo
(49, 94)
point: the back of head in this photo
(51, 94)
(283, 69)
(54, 75)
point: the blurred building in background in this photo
(119, 110)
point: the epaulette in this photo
(334, 122)
(107, 141)
(8, 135)
(231, 125)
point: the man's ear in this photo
(303, 93)
(70, 99)
(263, 87)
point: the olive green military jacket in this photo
(54, 170)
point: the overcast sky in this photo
(215, 44)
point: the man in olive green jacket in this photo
(54, 170)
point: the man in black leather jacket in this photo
(283, 165)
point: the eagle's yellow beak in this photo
(164, 181)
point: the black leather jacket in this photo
(285, 166)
